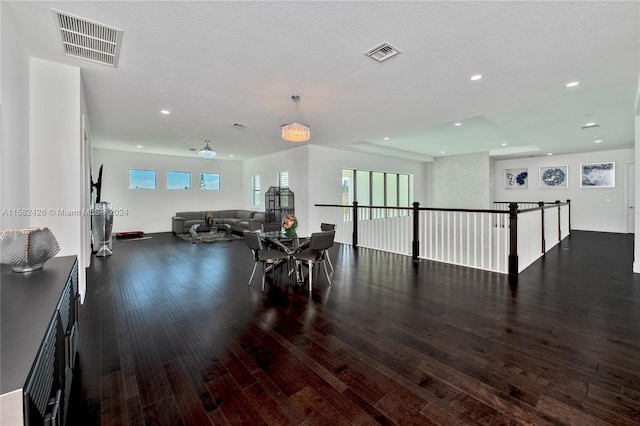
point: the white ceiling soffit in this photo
(85, 39)
(382, 52)
(517, 151)
(391, 152)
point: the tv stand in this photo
(38, 341)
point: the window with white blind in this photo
(283, 179)
(210, 181)
(255, 187)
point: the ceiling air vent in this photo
(88, 40)
(382, 52)
(240, 125)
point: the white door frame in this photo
(630, 197)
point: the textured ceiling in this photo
(213, 64)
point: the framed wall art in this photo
(554, 177)
(516, 178)
(598, 175)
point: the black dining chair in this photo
(271, 227)
(263, 255)
(328, 227)
(316, 253)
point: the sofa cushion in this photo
(238, 220)
(223, 214)
(244, 214)
(190, 215)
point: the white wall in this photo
(40, 144)
(294, 161)
(636, 257)
(14, 125)
(325, 175)
(463, 181)
(151, 210)
(315, 176)
(55, 148)
(326, 165)
(592, 209)
(86, 198)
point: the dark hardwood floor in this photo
(171, 334)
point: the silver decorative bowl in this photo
(27, 249)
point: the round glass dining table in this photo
(287, 244)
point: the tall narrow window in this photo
(255, 187)
(377, 194)
(377, 189)
(283, 179)
(363, 188)
(142, 179)
(210, 181)
(363, 192)
(347, 187)
(178, 180)
(404, 190)
(392, 190)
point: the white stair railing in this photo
(473, 238)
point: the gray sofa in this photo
(238, 220)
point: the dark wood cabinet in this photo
(279, 203)
(39, 335)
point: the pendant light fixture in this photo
(207, 151)
(296, 132)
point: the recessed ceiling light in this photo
(475, 77)
(231, 155)
(549, 153)
(441, 152)
(165, 111)
(597, 141)
(385, 138)
(457, 124)
(138, 146)
(504, 144)
(572, 84)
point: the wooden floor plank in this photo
(168, 339)
(163, 412)
(233, 404)
(317, 410)
(188, 402)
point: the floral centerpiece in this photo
(290, 225)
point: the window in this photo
(376, 188)
(255, 188)
(362, 192)
(178, 180)
(347, 187)
(405, 188)
(392, 190)
(142, 179)
(210, 181)
(283, 179)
